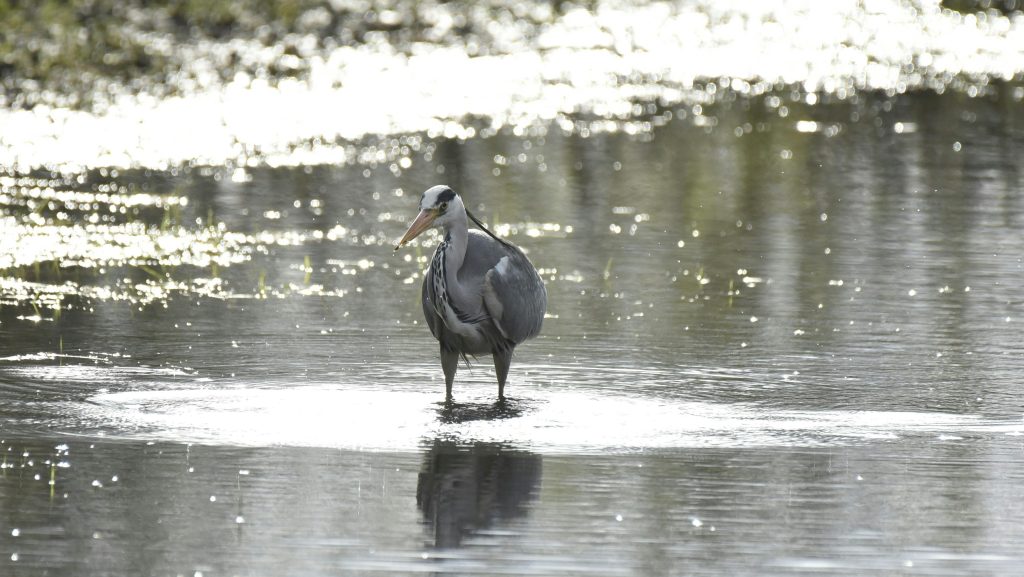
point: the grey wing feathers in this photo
(515, 297)
(429, 312)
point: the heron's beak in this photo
(423, 221)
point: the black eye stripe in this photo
(446, 195)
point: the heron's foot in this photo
(450, 412)
(506, 408)
(447, 410)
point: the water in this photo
(784, 315)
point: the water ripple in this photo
(548, 420)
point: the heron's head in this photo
(439, 206)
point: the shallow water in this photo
(783, 333)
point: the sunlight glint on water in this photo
(541, 419)
(609, 63)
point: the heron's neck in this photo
(457, 237)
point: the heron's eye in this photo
(443, 207)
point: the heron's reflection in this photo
(450, 412)
(463, 488)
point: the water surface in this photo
(783, 333)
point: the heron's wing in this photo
(429, 311)
(515, 297)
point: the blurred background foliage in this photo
(69, 53)
(74, 48)
(1002, 6)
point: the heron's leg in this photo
(449, 364)
(502, 360)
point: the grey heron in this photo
(481, 295)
